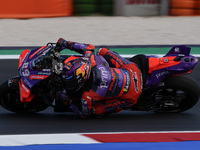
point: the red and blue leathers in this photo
(114, 87)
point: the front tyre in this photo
(10, 100)
(177, 95)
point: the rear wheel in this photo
(10, 100)
(177, 94)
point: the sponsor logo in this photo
(81, 71)
(44, 73)
(38, 77)
(112, 104)
(135, 79)
(104, 77)
(47, 70)
(177, 50)
(120, 62)
(115, 105)
(127, 84)
(25, 88)
(162, 74)
(68, 66)
(112, 80)
(27, 82)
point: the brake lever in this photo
(51, 44)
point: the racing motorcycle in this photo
(165, 88)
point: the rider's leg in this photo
(114, 59)
(143, 64)
(111, 106)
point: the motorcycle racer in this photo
(91, 84)
(107, 88)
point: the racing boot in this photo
(110, 106)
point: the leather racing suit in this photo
(114, 87)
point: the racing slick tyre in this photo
(178, 94)
(10, 100)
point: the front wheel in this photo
(10, 99)
(177, 95)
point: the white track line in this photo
(36, 139)
(65, 138)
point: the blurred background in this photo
(100, 22)
(59, 8)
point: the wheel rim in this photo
(171, 99)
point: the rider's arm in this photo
(77, 47)
(86, 50)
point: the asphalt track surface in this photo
(49, 122)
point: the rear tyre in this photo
(10, 100)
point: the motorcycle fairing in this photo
(177, 61)
(184, 73)
(160, 63)
(30, 76)
(22, 56)
(179, 49)
(36, 52)
(25, 92)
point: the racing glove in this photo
(62, 44)
(77, 47)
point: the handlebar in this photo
(56, 63)
(55, 51)
(49, 59)
(54, 46)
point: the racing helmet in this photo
(76, 72)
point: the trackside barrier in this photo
(184, 7)
(197, 7)
(23, 9)
(137, 7)
(35, 8)
(93, 7)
